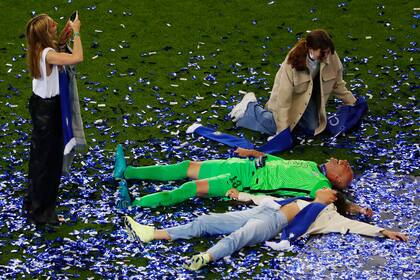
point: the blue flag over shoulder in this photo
(69, 140)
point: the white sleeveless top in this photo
(46, 86)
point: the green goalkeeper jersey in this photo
(274, 176)
(288, 178)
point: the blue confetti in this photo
(387, 158)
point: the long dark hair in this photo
(342, 203)
(316, 39)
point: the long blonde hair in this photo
(38, 38)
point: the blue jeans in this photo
(246, 227)
(259, 119)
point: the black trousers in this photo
(46, 159)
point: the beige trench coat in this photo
(292, 91)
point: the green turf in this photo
(151, 39)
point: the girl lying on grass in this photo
(291, 217)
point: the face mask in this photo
(312, 56)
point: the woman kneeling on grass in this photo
(292, 217)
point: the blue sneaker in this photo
(124, 199)
(120, 164)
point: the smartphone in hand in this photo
(73, 16)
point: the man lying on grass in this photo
(291, 218)
(259, 173)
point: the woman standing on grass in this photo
(311, 72)
(46, 153)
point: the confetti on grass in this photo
(94, 244)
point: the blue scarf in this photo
(346, 118)
(66, 117)
(302, 221)
(281, 142)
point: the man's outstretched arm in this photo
(254, 153)
(248, 153)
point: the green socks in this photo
(218, 187)
(158, 172)
(167, 198)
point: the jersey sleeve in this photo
(273, 158)
(320, 185)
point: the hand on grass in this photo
(398, 236)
